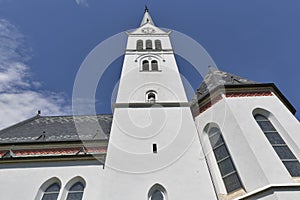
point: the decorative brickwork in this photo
(248, 94)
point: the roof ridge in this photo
(76, 115)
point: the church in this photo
(236, 139)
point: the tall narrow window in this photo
(52, 192)
(157, 192)
(148, 44)
(76, 191)
(154, 65)
(157, 44)
(145, 65)
(283, 151)
(226, 166)
(139, 45)
(154, 148)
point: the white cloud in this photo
(18, 99)
(82, 3)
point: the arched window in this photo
(139, 45)
(283, 151)
(148, 44)
(145, 65)
(226, 166)
(154, 65)
(157, 195)
(157, 44)
(157, 192)
(52, 192)
(151, 96)
(76, 191)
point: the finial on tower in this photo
(147, 18)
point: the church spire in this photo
(147, 18)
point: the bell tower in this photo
(154, 151)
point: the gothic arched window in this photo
(145, 66)
(226, 166)
(76, 191)
(154, 65)
(148, 44)
(157, 44)
(139, 45)
(157, 192)
(51, 192)
(283, 151)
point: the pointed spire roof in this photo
(216, 77)
(147, 18)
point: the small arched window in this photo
(148, 44)
(157, 195)
(226, 166)
(145, 65)
(157, 192)
(76, 191)
(154, 65)
(51, 192)
(139, 45)
(151, 96)
(282, 150)
(157, 44)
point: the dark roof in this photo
(215, 78)
(58, 128)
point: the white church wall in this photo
(179, 165)
(254, 158)
(23, 180)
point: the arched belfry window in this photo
(150, 64)
(157, 192)
(157, 44)
(51, 192)
(148, 44)
(145, 66)
(76, 191)
(139, 45)
(151, 96)
(283, 151)
(154, 65)
(226, 166)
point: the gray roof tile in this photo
(58, 128)
(215, 78)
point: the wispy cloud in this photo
(82, 3)
(19, 94)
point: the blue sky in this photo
(43, 43)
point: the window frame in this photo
(271, 129)
(213, 131)
(70, 191)
(70, 183)
(149, 45)
(46, 185)
(153, 64)
(160, 188)
(148, 100)
(139, 43)
(158, 45)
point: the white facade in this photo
(177, 162)
(259, 167)
(158, 149)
